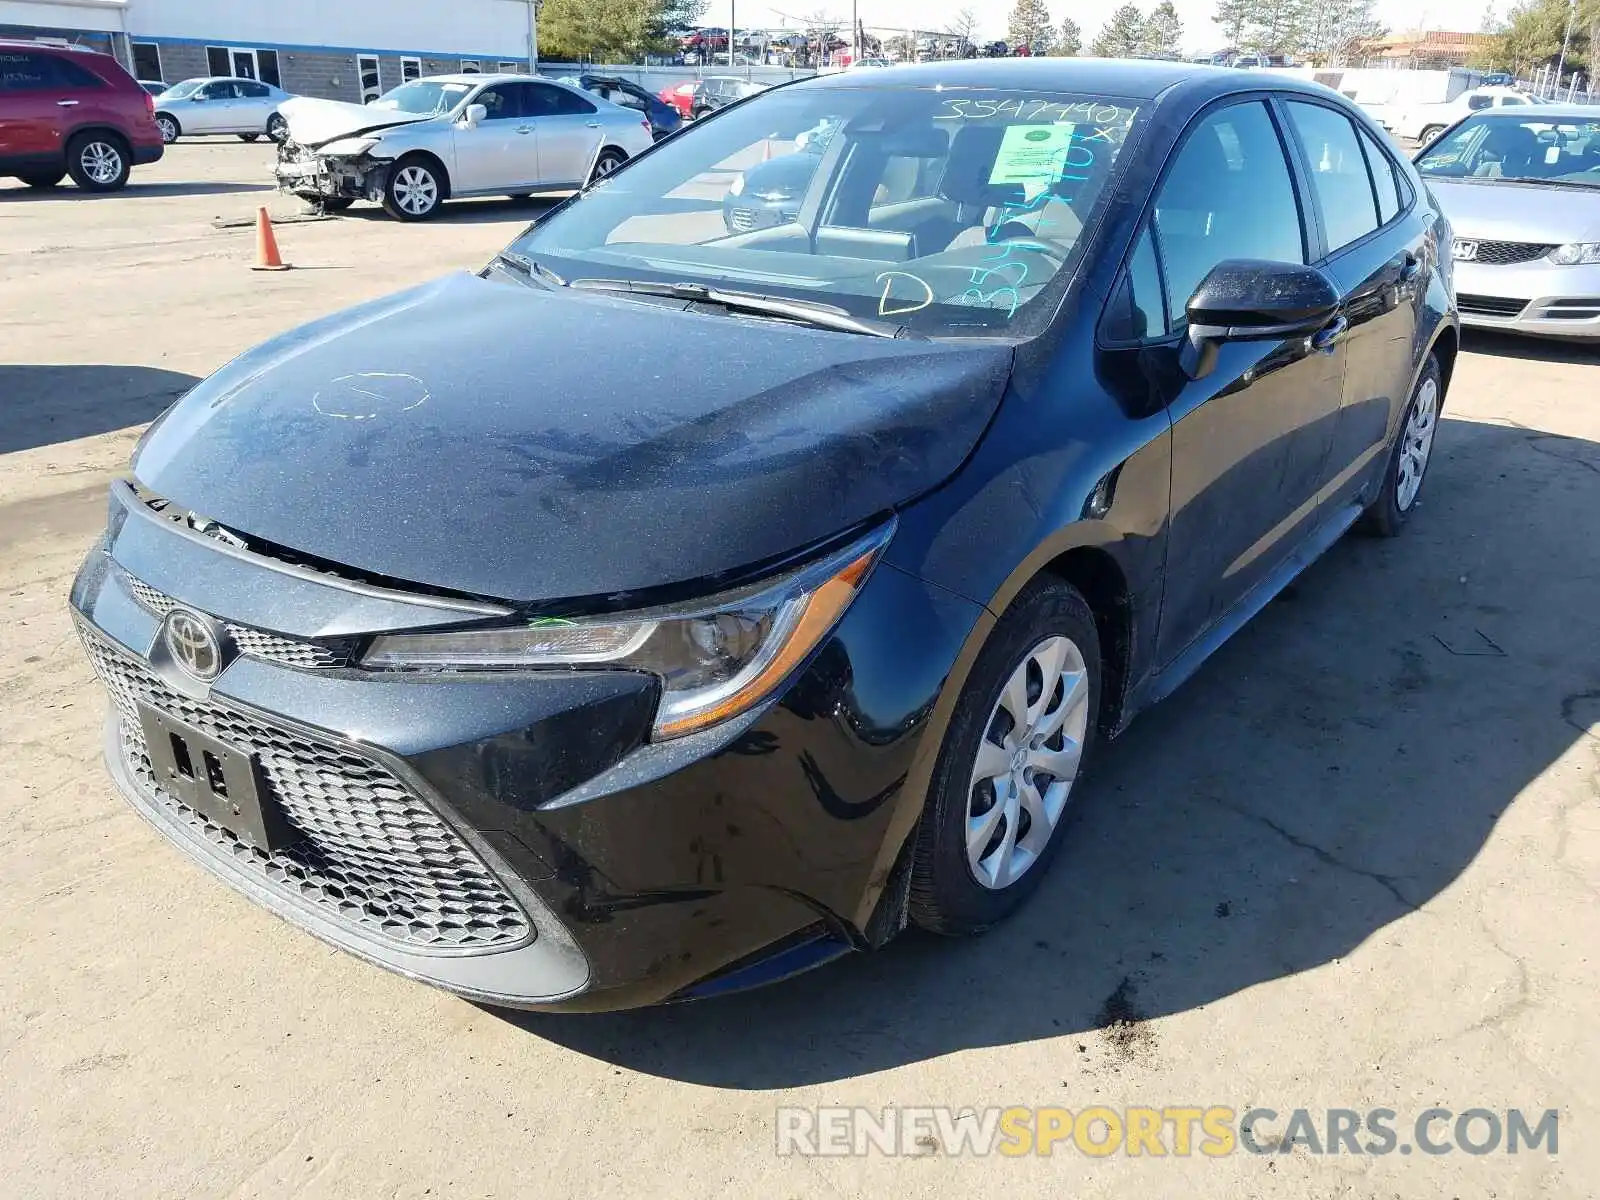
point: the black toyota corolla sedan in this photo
(664, 610)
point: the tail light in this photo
(645, 125)
(149, 104)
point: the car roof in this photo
(475, 77)
(220, 79)
(1541, 112)
(1136, 79)
(25, 44)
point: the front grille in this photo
(1490, 306)
(742, 219)
(258, 643)
(1505, 254)
(373, 855)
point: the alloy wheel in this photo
(605, 165)
(415, 190)
(169, 129)
(1027, 762)
(101, 161)
(1416, 444)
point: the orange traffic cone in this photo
(267, 256)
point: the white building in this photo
(340, 49)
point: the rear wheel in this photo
(609, 160)
(98, 162)
(415, 190)
(249, 137)
(1408, 460)
(170, 129)
(1002, 791)
(43, 179)
(1431, 132)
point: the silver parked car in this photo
(246, 107)
(1522, 188)
(454, 135)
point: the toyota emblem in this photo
(193, 644)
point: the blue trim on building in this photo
(292, 48)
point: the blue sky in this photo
(935, 15)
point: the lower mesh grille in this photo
(1490, 306)
(374, 856)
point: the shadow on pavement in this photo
(1507, 345)
(134, 191)
(44, 404)
(1332, 769)
(468, 212)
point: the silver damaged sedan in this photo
(454, 135)
(1522, 189)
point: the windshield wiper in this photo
(804, 312)
(522, 265)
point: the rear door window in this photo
(1385, 179)
(1339, 178)
(549, 101)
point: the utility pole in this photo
(1566, 40)
(855, 31)
(533, 37)
(733, 19)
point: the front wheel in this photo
(1408, 461)
(610, 159)
(414, 191)
(98, 162)
(277, 128)
(1003, 788)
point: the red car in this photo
(68, 111)
(681, 97)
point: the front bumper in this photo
(514, 837)
(302, 172)
(1538, 298)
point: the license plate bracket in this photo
(222, 783)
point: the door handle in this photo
(66, 104)
(524, 128)
(1331, 334)
(593, 124)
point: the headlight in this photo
(347, 147)
(736, 188)
(715, 659)
(1576, 253)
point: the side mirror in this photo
(476, 114)
(1250, 300)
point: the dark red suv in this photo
(67, 111)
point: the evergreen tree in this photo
(1031, 25)
(1070, 43)
(1123, 35)
(1231, 17)
(1163, 31)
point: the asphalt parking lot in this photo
(1354, 863)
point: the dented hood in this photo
(488, 438)
(313, 122)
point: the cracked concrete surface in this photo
(1342, 867)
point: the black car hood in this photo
(489, 438)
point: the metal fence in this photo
(656, 78)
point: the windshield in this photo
(949, 212)
(1526, 149)
(179, 90)
(423, 96)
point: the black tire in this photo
(171, 130)
(98, 162)
(405, 177)
(946, 896)
(699, 113)
(43, 180)
(277, 128)
(607, 161)
(249, 137)
(1387, 514)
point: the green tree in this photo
(1232, 17)
(1163, 31)
(1533, 33)
(1279, 26)
(612, 30)
(1123, 35)
(1031, 25)
(1070, 43)
(1335, 29)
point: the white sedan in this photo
(1420, 122)
(451, 136)
(246, 107)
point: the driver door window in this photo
(1227, 195)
